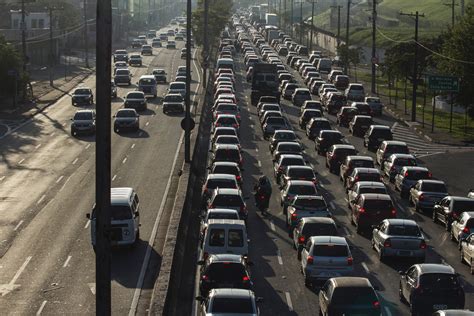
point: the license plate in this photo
(404, 253)
(440, 306)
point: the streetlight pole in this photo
(301, 21)
(291, 21)
(187, 117)
(205, 42)
(374, 49)
(346, 64)
(86, 37)
(312, 25)
(339, 7)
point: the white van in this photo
(225, 236)
(147, 84)
(124, 218)
(225, 63)
(324, 65)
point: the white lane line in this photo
(322, 185)
(288, 301)
(332, 205)
(2, 178)
(366, 268)
(75, 161)
(20, 271)
(124, 160)
(259, 163)
(21, 161)
(64, 124)
(256, 149)
(272, 225)
(87, 146)
(346, 231)
(387, 311)
(18, 226)
(41, 199)
(141, 277)
(133, 146)
(147, 123)
(65, 182)
(59, 179)
(37, 146)
(67, 261)
(40, 310)
(113, 178)
(87, 224)
(140, 134)
(280, 260)
(52, 134)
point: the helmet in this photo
(263, 180)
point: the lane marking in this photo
(65, 182)
(124, 160)
(64, 124)
(288, 301)
(272, 225)
(67, 261)
(259, 163)
(256, 149)
(21, 161)
(40, 310)
(322, 185)
(87, 224)
(133, 146)
(366, 268)
(75, 161)
(18, 226)
(113, 178)
(20, 271)
(37, 146)
(59, 179)
(87, 146)
(52, 134)
(41, 199)
(387, 311)
(2, 178)
(332, 205)
(147, 123)
(280, 260)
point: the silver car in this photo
(229, 302)
(83, 122)
(467, 251)
(362, 187)
(399, 238)
(395, 163)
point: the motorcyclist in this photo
(263, 192)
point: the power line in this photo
(391, 39)
(447, 57)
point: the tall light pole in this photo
(374, 49)
(291, 21)
(86, 35)
(187, 117)
(339, 7)
(205, 42)
(346, 64)
(312, 25)
(301, 21)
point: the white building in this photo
(33, 20)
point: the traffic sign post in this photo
(443, 83)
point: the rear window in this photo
(173, 98)
(228, 139)
(353, 295)
(345, 151)
(322, 125)
(334, 136)
(303, 93)
(227, 271)
(364, 120)
(120, 212)
(221, 183)
(373, 190)
(463, 206)
(439, 281)
(310, 203)
(217, 237)
(227, 154)
(292, 162)
(361, 164)
(330, 250)
(226, 305)
(222, 200)
(227, 107)
(404, 230)
(177, 85)
(417, 175)
(122, 72)
(377, 205)
(303, 174)
(358, 88)
(405, 162)
(135, 96)
(236, 238)
(302, 190)
(226, 120)
(285, 136)
(289, 148)
(318, 229)
(217, 215)
(275, 120)
(383, 133)
(225, 170)
(434, 187)
(369, 177)
(83, 116)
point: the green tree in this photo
(352, 56)
(456, 57)
(10, 59)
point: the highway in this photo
(276, 274)
(47, 183)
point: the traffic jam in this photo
(279, 70)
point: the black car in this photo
(126, 119)
(224, 271)
(376, 135)
(449, 209)
(360, 124)
(429, 287)
(315, 125)
(336, 154)
(326, 139)
(82, 96)
(308, 115)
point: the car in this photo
(426, 193)
(341, 82)
(177, 87)
(462, 227)
(183, 53)
(160, 75)
(333, 74)
(279, 167)
(344, 295)
(359, 124)
(307, 115)
(120, 55)
(370, 209)
(450, 208)
(147, 84)
(215, 213)
(308, 227)
(466, 247)
(268, 107)
(171, 45)
(408, 176)
(226, 108)
(281, 136)
(389, 147)
(361, 187)
(156, 43)
(352, 162)
(113, 90)
(224, 271)
(325, 257)
(399, 238)
(227, 167)
(136, 43)
(355, 92)
(135, 60)
(288, 90)
(229, 301)
(83, 122)
(363, 174)
(122, 76)
(305, 206)
(345, 115)
(135, 100)
(376, 106)
(428, 287)
(311, 104)
(315, 125)
(223, 130)
(126, 119)
(268, 114)
(395, 162)
(327, 138)
(178, 37)
(286, 148)
(362, 108)
(82, 95)
(272, 124)
(334, 101)
(336, 154)
(300, 95)
(375, 135)
(294, 188)
(173, 103)
(147, 50)
(163, 37)
(217, 180)
(230, 199)
(120, 65)
(227, 152)
(226, 140)
(226, 120)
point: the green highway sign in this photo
(443, 83)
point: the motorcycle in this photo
(261, 202)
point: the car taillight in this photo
(206, 191)
(218, 124)
(376, 304)
(392, 169)
(205, 255)
(421, 197)
(361, 210)
(205, 278)
(301, 240)
(234, 125)
(350, 261)
(430, 175)
(356, 178)
(387, 243)
(309, 260)
(243, 209)
(211, 206)
(406, 173)
(238, 178)
(394, 212)
(294, 217)
(466, 230)
(246, 279)
(280, 169)
(423, 245)
(315, 181)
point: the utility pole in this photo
(462, 7)
(312, 25)
(23, 34)
(187, 117)
(346, 64)
(86, 35)
(102, 158)
(205, 42)
(374, 49)
(339, 7)
(452, 5)
(415, 63)
(301, 21)
(291, 21)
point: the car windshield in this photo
(228, 305)
(439, 281)
(290, 161)
(120, 212)
(82, 91)
(226, 271)
(275, 120)
(173, 98)
(405, 162)
(463, 206)
(147, 81)
(120, 52)
(136, 57)
(125, 113)
(221, 183)
(227, 140)
(310, 203)
(318, 229)
(417, 175)
(270, 108)
(373, 100)
(330, 250)
(135, 96)
(83, 116)
(372, 190)
(122, 72)
(226, 200)
(289, 148)
(404, 230)
(357, 87)
(345, 152)
(302, 189)
(303, 93)
(377, 205)
(434, 187)
(353, 295)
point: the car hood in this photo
(83, 122)
(81, 95)
(135, 100)
(126, 119)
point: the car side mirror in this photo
(402, 273)
(200, 299)
(137, 214)
(88, 215)
(259, 299)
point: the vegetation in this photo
(10, 60)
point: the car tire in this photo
(472, 266)
(381, 256)
(447, 225)
(434, 218)
(400, 294)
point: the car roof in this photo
(232, 293)
(173, 94)
(227, 257)
(395, 142)
(329, 131)
(431, 181)
(435, 268)
(402, 156)
(227, 147)
(228, 191)
(345, 146)
(363, 116)
(400, 221)
(370, 184)
(375, 126)
(355, 157)
(220, 176)
(318, 220)
(120, 195)
(283, 131)
(329, 240)
(351, 282)
(291, 156)
(219, 221)
(410, 168)
(85, 111)
(310, 197)
(228, 115)
(300, 167)
(302, 89)
(366, 170)
(376, 196)
(301, 182)
(221, 210)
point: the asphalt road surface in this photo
(276, 273)
(47, 180)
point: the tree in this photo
(10, 60)
(353, 55)
(456, 57)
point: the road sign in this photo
(443, 83)
(191, 123)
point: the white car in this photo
(229, 302)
